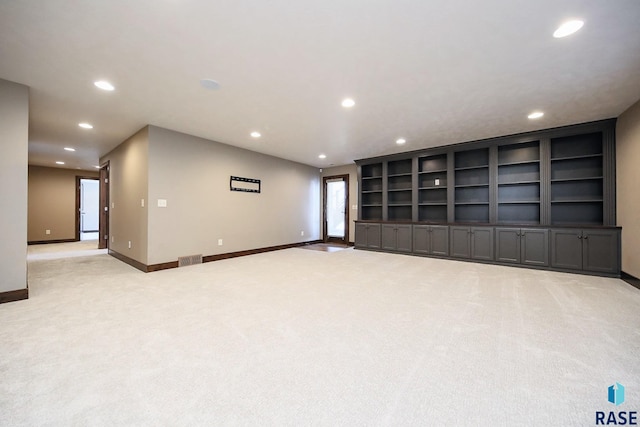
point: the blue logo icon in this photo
(616, 394)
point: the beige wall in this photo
(352, 171)
(192, 175)
(128, 181)
(14, 140)
(627, 181)
(52, 203)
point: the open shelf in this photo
(372, 171)
(577, 193)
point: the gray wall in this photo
(14, 141)
(128, 181)
(352, 171)
(192, 175)
(627, 180)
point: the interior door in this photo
(336, 212)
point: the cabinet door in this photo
(508, 245)
(534, 246)
(361, 235)
(482, 243)
(403, 238)
(440, 240)
(460, 242)
(600, 251)
(373, 236)
(389, 237)
(421, 239)
(566, 249)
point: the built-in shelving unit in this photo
(472, 185)
(577, 195)
(519, 183)
(543, 199)
(371, 192)
(432, 188)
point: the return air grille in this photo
(189, 260)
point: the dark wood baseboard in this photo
(632, 280)
(209, 258)
(219, 257)
(132, 262)
(42, 242)
(164, 266)
(12, 296)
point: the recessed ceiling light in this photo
(85, 125)
(322, 156)
(400, 141)
(59, 163)
(568, 28)
(69, 149)
(210, 84)
(104, 85)
(348, 103)
(256, 134)
(536, 115)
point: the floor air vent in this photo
(189, 260)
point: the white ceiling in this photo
(435, 72)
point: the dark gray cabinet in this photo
(396, 237)
(367, 236)
(528, 246)
(592, 250)
(431, 240)
(471, 242)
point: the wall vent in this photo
(183, 261)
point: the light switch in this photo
(162, 203)
(354, 207)
(437, 182)
(142, 203)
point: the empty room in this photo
(337, 213)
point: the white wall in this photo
(14, 141)
(627, 181)
(192, 174)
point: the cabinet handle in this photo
(585, 237)
(580, 236)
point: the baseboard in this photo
(633, 281)
(42, 242)
(132, 262)
(12, 296)
(209, 258)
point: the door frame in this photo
(325, 237)
(103, 217)
(78, 203)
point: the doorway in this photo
(103, 234)
(335, 208)
(87, 208)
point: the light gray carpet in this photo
(299, 337)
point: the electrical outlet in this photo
(437, 182)
(142, 203)
(113, 239)
(219, 242)
(302, 233)
(129, 244)
(47, 231)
